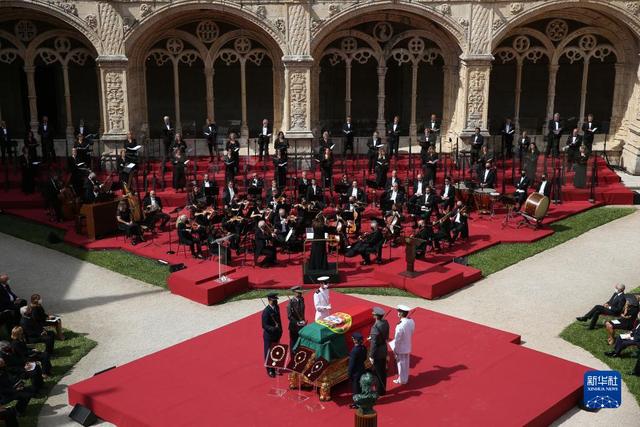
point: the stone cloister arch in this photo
(579, 39)
(388, 40)
(205, 41)
(39, 42)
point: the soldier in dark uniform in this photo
(379, 336)
(295, 314)
(271, 327)
(357, 359)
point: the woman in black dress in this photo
(318, 258)
(531, 161)
(233, 148)
(126, 223)
(327, 168)
(282, 145)
(178, 171)
(429, 164)
(32, 145)
(281, 169)
(580, 168)
(382, 168)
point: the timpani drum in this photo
(482, 197)
(536, 206)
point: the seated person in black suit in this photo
(315, 194)
(613, 307)
(303, 184)
(152, 206)
(12, 389)
(521, 189)
(426, 234)
(125, 221)
(45, 320)
(459, 224)
(209, 189)
(392, 196)
(255, 186)
(9, 303)
(625, 340)
(545, 186)
(185, 237)
(625, 321)
(33, 331)
(488, 177)
(367, 245)
(264, 245)
(448, 195)
(428, 205)
(393, 223)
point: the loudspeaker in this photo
(104, 370)
(176, 267)
(462, 260)
(83, 415)
(53, 238)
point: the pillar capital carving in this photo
(297, 76)
(474, 73)
(115, 110)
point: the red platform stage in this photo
(462, 373)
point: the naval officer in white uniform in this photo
(401, 344)
(321, 298)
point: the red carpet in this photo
(462, 373)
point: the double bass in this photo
(137, 214)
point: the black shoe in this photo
(581, 319)
(379, 261)
(271, 374)
(611, 354)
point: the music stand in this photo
(176, 210)
(221, 277)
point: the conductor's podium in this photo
(330, 338)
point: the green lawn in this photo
(595, 342)
(67, 354)
(501, 256)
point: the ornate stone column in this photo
(33, 97)
(476, 70)
(583, 91)
(347, 90)
(414, 100)
(176, 95)
(517, 95)
(67, 103)
(208, 79)
(449, 100)
(244, 127)
(297, 100)
(380, 122)
(551, 90)
(623, 74)
(115, 105)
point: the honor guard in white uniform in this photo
(401, 344)
(321, 298)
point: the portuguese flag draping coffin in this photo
(330, 337)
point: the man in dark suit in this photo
(477, 140)
(34, 332)
(428, 204)
(13, 389)
(82, 129)
(633, 339)
(613, 307)
(262, 245)
(448, 195)
(488, 179)
(434, 126)
(152, 206)
(545, 186)
(355, 191)
(393, 135)
(295, 314)
(6, 145)
(210, 190)
(315, 193)
(553, 137)
(91, 188)
(374, 144)
(573, 146)
(263, 139)
(522, 186)
(303, 185)
(229, 195)
(368, 245)
(168, 135)
(10, 302)
(357, 359)
(508, 130)
(523, 144)
(459, 222)
(211, 135)
(46, 139)
(589, 129)
(271, 328)
(349, 132)
(378, 337)
(392, 196)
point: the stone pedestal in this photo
(114, 102)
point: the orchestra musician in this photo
(356, 192)
(348, 131)
(282, 225)
(477, 141)
(281, 169)
(393, 224)
(459, 226)
(152, 206)
(483, 158)
(427, 140)
(325, 143)
(488, 179)
(31, 143)
(523, 145)
(393, 135)
(229, 166)
(282, 145)
(274, 193)
(185, 237)
(124, 216)
(589, 129)
(574, 142)
(555, 128)
(448, 195)
(419, 186)
(303, 185)
(264, 244)
(429, 204)
(393, 196)
(434, 126)
(46, 133)
(342, 188)
(326, 165)
(6, 144)
(531, 161)
(367, 244)
(76, 170)
(233, 149)
(229, 195)
(82, 147)
(580, 168)
(130, 145)
(179, 144)
(211, 135)
(374, 145)
(429, 165)
(91, 189)
(179, 179)
(426, 234)
(209, 189)
(315, 193)
(167, 136)
(81, 129)
(263, 139)
(28, 171)
(544, 187)
(382, 168)
(507, 131)
(522, 186)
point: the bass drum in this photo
(536, 206)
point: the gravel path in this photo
(543, 295)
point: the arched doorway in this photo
(46, 68)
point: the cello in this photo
(137, 214)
